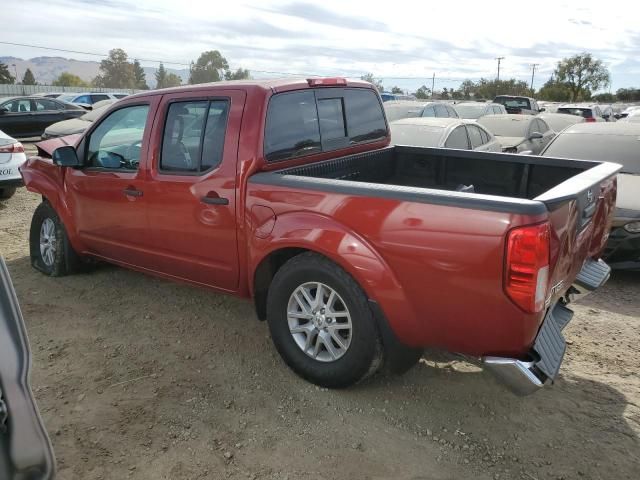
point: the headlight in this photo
(633, 227)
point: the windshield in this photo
(504, 126)
(67, 98)
(416, 135)
(513, 102)
(622, 149)
(580, 112)
(470, 111)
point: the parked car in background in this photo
(388, 96)
(48, 94)
(518, 105)
(519, 133)
(608, 113)
(549, 107)
(76, 125)
(287, 192)
(29, 116)
(475, 110)
(632, 117)
(559, 121)
(627, 111)
(88, 99)
(11, 158)
(590, 113)
(620, 143)
(444, 133)
(397, 109)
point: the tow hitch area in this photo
(526, 377)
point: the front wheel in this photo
(49, 246)
(321, 323)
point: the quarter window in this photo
(475, 136)
(194, 134)
(45, 105)
(116, 143)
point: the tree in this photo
(5, 76)
(423, 92)
(467, 88)
(161, 77)
(445, 93)
(397, 90)
(581, 74)
(28, 78)
(210, 67)
(139, 76)
(604, 98)
(172, 80)
(376, 82)
(628, 94)
(66, 79)
(239, 74)
(116, 71)
(554, 91)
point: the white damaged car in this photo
(11, 157)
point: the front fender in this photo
(41, 176)
(346, 248)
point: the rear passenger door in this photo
(191, 189)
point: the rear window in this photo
(580, 112)
(311, 121)
(513, 102)
(622, 149)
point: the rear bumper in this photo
(525, 377)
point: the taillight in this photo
(316, 82)
(590, 119)
(13, 148)
(527, 268)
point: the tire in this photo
(59, 258)
(359, 352)
(7, 192)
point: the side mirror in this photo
(536, 136)
(66, 157)
(542, 109)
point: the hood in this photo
(509, 142)
(46, 148)
(67, 127)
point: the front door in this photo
(107, 195)
(191, 193)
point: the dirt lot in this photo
(142, 378)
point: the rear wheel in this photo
(49, 246)
(321, 323)
(6, 193)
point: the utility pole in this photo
(433, 84)
(499, 60)
(533, 72)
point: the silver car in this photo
(517, 133)
(443, 133)
(397, 109)
(475, 110)
(560, 121)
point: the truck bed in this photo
(492, 174)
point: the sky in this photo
(402, 42)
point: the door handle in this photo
(132, 192)
(212, 198)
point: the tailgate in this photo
(581, 212)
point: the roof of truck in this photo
(275, 84)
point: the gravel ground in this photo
(141, 378)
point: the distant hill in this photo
(46, 69)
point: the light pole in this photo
(15, 69)
(499, 60)
(533, 72)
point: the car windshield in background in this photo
(417, 135)
(67, 98)
(470, 111)
(579, 112)
(622, 149)
(504, 126)
(512, 102)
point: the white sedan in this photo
(11, 157)
(443, 132)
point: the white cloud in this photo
(400, 39)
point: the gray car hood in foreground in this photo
(67, 127)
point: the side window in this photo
(99, 98)
(83, 99)
(429, 112)
(193, 138)
(18, 106)
(458, 139)
(486, 138)
(365, 119)
(331, 117)
(116, 142)
(475, 136)
(292, 128)
(45, 105)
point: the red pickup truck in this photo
(357, 253)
